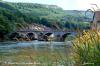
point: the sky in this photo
(65, 4)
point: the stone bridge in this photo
(40, 35)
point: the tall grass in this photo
(87, 49)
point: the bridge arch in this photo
(15, 36)
(64, 36)
(32, 36)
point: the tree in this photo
(5, 26)
(45, 22)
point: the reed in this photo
(86, 49)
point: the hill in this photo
(14, 16)
(51, 14)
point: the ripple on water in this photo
(13, 47)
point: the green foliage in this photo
(5, 26)
(38, 10)
(52, 13)
(52, 16)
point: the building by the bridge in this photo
(95, 25)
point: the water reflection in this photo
(35, 45)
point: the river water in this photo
(35, 45)
(29, 51)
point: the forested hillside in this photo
(17, 15)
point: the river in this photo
(33, 51)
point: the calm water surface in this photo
(33, 50)
(40, 46)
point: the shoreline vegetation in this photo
(87, 49)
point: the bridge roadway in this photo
(43, 31)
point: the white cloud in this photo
(86, 4)
(79, 4)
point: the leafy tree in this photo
(44, 21)
(5, 26)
